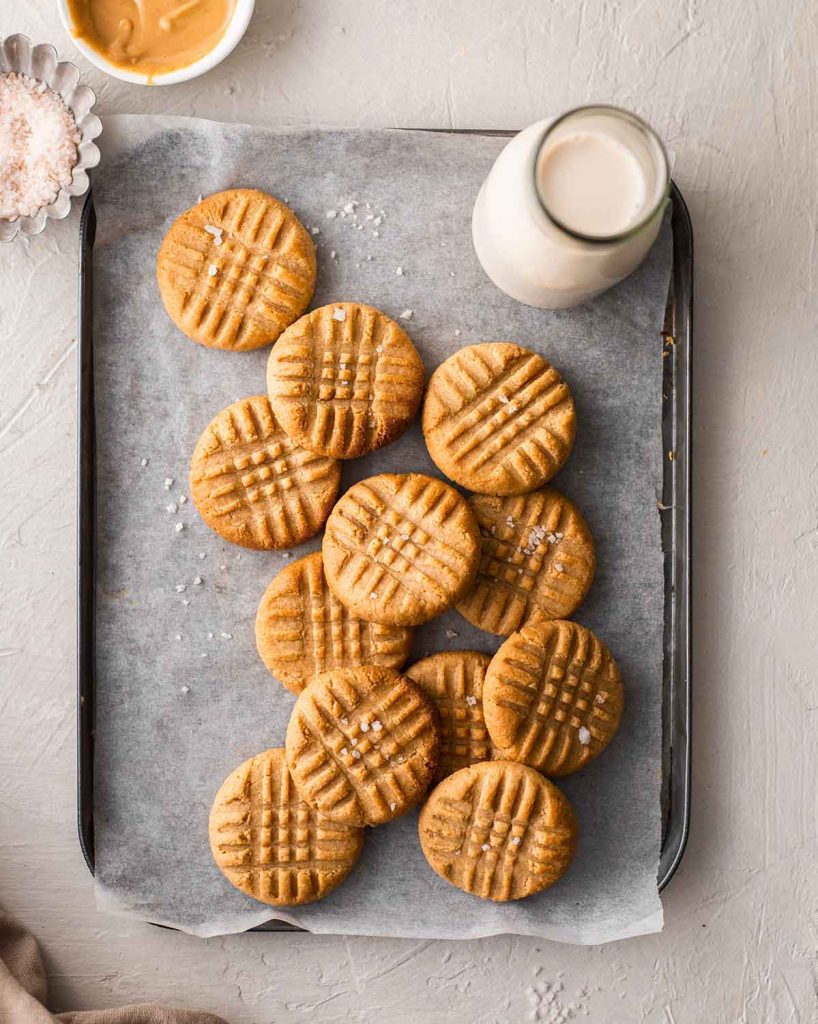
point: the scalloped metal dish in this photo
(676, 544)
(40, 63)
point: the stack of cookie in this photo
(365, 743)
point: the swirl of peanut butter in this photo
(151, 36)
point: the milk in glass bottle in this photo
(571, 206)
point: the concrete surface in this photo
(732, 87)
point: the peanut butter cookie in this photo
(552, 697)
(345, 380)
(253, 485)
(362, 744)
(537, 560)
(400, 549)
(236, 269)
(454, 682)
(498, 830)
(498, 418)
(270, 844)
(302, 629)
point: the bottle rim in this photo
(637, 122)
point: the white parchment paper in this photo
(182, 697)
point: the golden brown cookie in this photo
(253, 485)
(552, 697)
(498, 418)
(454, 682)
(498, 830)
(400, 548)
(270, 844)
(236, 269)
(302, 629)
(345, 380)
(537, 560)
(362, 744)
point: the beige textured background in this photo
(732, 87)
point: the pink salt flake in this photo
(38, 146)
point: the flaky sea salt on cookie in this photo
(236, 269)
(498, 418)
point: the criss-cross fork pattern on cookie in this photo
(400, 548)
(362, 745)
(236, 270)
(537, 560)
(498, 832)
(272, 845)
(498, 418)
(302, 629)
(255, 486)
(454, 681)
(345, 380)
(553, 697)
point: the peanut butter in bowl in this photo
(156, 41)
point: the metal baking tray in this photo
(675, 513)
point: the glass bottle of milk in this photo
(571, 206)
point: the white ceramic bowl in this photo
(40, 63)
(228, 42)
